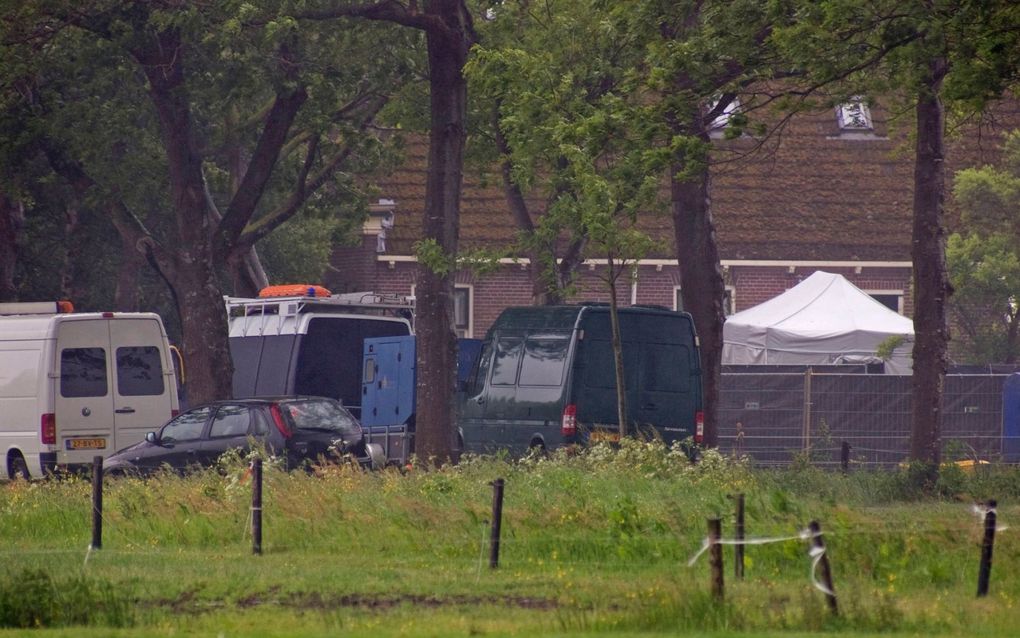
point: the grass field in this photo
(596, 543)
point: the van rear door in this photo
(83, 391)
(143, 382)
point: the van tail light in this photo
(278, 421)
(569, 424)
(699, 426)
(48, 429)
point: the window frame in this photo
(846, 116)
(888, 292)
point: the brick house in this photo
(833, 193)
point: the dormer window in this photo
(718, 126)
(854, 116)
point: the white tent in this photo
(823, 319)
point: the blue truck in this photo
(388, 390)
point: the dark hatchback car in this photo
(302, 430)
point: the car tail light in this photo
(699, 426)
(278, 421)
(48, 429)
(174, 413)
(569, 424)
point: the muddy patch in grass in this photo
(189, 603)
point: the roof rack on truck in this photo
(319, 300)
(36, 307)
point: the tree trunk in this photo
(132, 261)
(12, 220)
(72, 254)
(617, 340)
(701, 279)
(198, 294)
(125, 295)
(931, 279)
(436, 341)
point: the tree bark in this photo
(931, 278)
(436, 342)
(12, 220)
(701, 278)
(200, 301)
(617, 342)
(71, 254)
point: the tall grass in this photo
(592, 542)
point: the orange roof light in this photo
(65, 306)
(294, 290)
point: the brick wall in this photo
(510, 285)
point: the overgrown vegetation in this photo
(592, 542)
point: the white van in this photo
(77, 385)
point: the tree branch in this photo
(305, 186)
(260, 168)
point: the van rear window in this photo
(543, 362)
(139, 371)
(83, 372)
(666, 367)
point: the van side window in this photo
(505, 363)
(82, 372)
(665, 367)
(544, 361)
(481, 369)
(139, 371)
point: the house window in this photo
(728, 300)
(463, 310)
(891, 299)
(462, 315)
(854, 116)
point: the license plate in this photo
(604, 435)
(86, 444)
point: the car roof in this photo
(262, 401)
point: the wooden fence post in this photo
(818, 546)
(844, 457)
(985, 570)
(97, 502)
(256, 507)
(715, 556)
(497, 522)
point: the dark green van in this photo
(546, 378)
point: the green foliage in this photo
(887, 348)
(593, 541)
(34, 599)
(299, 251)
(984, 259)
(70, 81)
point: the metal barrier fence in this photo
(780, 418)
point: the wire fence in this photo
(777, 419)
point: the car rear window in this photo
(321, 415)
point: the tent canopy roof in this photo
(824, 304)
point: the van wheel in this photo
(17, 468)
